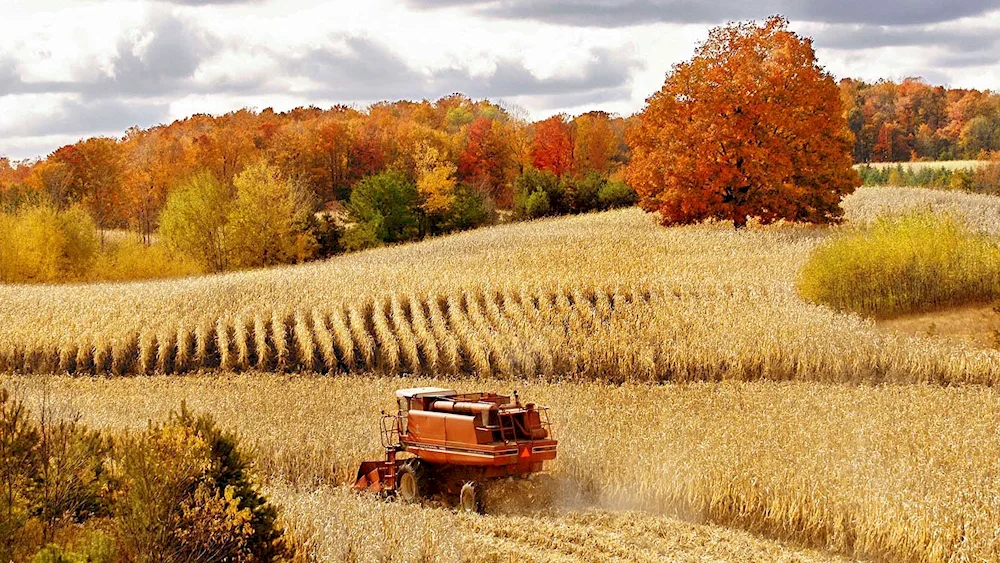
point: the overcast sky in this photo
(79, 68)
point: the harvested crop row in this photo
(607, 334)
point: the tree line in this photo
(259, 188)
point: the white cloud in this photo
(81, 67)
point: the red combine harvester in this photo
(455, 443)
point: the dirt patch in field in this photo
(976, 325)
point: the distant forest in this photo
(124, 183)
(486, 146)
(915, 121)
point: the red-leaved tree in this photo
(552, 148)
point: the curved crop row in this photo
(476, 333)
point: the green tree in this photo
(261, 229)
(533, 181)
(194, 219)
(387, 203)
(471, 209)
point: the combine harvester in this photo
(454, 443)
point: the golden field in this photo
(903, 473)
(609, 296)
(786, 431)
(949, 164)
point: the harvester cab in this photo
(444, 442)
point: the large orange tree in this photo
(751, 126)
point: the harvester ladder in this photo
(504, 428)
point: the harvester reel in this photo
(470, 499)
(412, 481)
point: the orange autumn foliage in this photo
(752, 126)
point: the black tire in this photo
(470, 499)
(411, 481)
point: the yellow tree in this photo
(260, 228)
(435, 180)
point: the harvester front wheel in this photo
(470, 499)
(412, 481)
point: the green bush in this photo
(388, 203)
(898, 265)
(617, 194)
(99, 548)
(363, 236)
(537, 205)
(471, 209)
(583, 192)
(534, 181)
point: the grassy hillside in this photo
(608, 296)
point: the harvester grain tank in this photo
(441, 441)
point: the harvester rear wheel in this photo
(412, 481)
(470, 499)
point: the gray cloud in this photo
(858, 37)
(167, 64)
(83, 117)
(369, 71)
(966, 60)
(618, 13)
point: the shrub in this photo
(41, 244)
(185, 495)
(363, 236)
(328, 234)
(616, 194)
(898, 265)
(99, 548)
(177, 492)
(72, 480)
(537, 205)
(130, 259)
(19, 471)
(986, 178)
(582, 192)
(387, 203)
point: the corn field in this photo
(611, 296)
(791, 431)
(898, 473)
